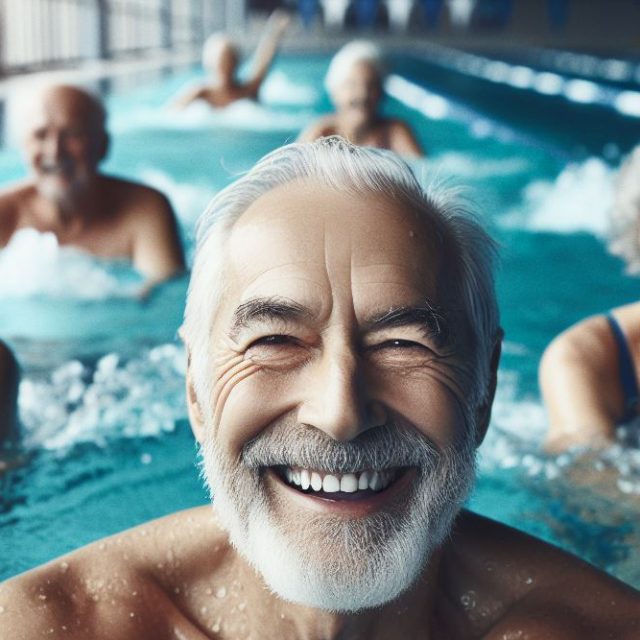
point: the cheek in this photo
(247, 399)
(430, 405)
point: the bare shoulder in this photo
(119, 587)
(136, 193)
(506, 581)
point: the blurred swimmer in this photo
(588, 379)
(64, 142)
(9, 379)
(220, 59)
(588, 374)
(354, 82)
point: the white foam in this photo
(470, 166)
(33, 263)
(579, 199)
(278, 89)
(243, 114)
(116, 399)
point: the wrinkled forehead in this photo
(306, 235)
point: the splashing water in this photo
(112, 399)
(579, 199)
(33, 263)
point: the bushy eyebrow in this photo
(266, 309)
(429, 318)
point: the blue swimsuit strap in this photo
(626, 369)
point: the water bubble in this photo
(221, 592)
(64, 566)
(146, 458)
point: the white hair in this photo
(213, 47)
(352, 53)
(466, 291)
(625, 215)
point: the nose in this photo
(336, 398)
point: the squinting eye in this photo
(402, 344)
(273, 340)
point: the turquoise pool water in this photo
(102, 398)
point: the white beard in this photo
(330, 562)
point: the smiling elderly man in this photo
(343, 338)
(65, 141)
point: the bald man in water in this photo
(344, 338)
(65, 140)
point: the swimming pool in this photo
(102, 398)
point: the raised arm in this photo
(267, 48)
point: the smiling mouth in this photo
(358, 485)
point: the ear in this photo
(483, 412)
(194, 410)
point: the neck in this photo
(411, 616)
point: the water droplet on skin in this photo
(132, 614)
(1, 609)
(208, 591)
(134, 593)
(203, 610)
(215, 627)
(242, 606)
(412, 234)
(176, 590)
(64, 627)
(42, 597)
(95, 598)
(221, 592)
(101, 546)
(529, 580)
(282, 616)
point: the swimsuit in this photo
(626, 371)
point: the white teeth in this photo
(316, 481)
(349, 483)
(330, 484)
(346, 483)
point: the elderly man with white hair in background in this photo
(354, 82)
(221, 59)
(343, 342)
(65, 140)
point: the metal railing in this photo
(43, 34)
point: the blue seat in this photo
(558, 12)
(432, 9)
(308, 10)
(366, 12)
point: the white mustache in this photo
(386, 447)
